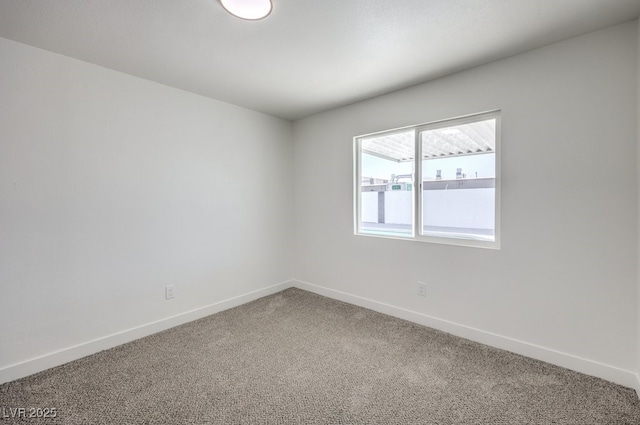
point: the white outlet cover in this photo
(169, 291)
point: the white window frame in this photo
(417, 215)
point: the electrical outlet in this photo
(169, 291)
(422, 289)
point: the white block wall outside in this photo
(464, 208)
(397, 206)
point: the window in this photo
(450, 195)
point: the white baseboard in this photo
(589, 367)
(57, 358)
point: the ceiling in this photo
(308, 55)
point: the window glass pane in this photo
(386, 176)
(459, 180)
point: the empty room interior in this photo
(278, 211)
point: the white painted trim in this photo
(579, 364)
(57, 358)
(623, 377)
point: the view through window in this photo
(449, 194)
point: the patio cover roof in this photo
(464, 139)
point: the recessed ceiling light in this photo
(248, 9)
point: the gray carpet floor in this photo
(296, 357)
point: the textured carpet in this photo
(296, 357)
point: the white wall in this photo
(112, 187)
(369, 207)
(465, 208)
(563, 285)
(397, 206)
(638, 209)
(470, 208)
